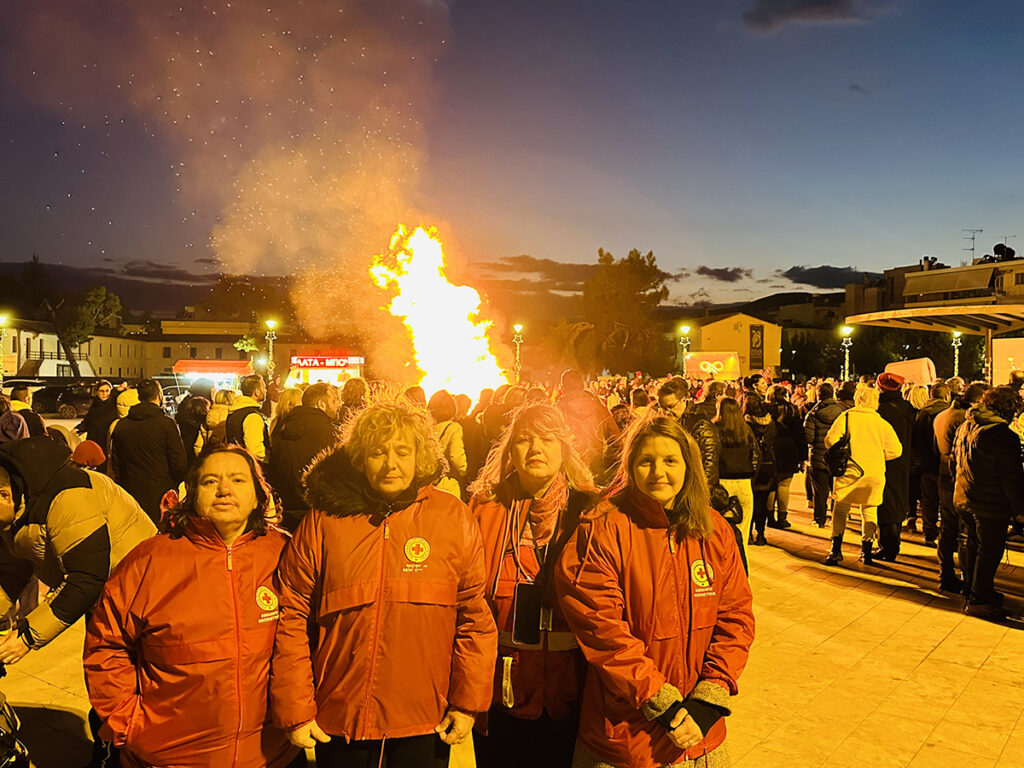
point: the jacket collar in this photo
(643, 510)
(243, 402)
(202, 531)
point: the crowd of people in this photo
(374, 574)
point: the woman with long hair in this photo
(790, 453)
(738, 458)
(654, 589)
(388, 571)
(527, 500)
(872, 443)
(177, 654)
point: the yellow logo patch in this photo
(417, 549)
(265, 599)
(701, 573)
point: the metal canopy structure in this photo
(980, 320)
(986, 320)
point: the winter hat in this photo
(88, 454)
(125, 401)
(888, 382)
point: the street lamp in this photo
(846, 344)
(684, 342)
(270, 349)
(517, 339)
(956, 342)
(3, 345)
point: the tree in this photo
(75, 318)
(247, 344)
(618, 301)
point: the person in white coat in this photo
(872, 442)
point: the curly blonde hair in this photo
(386, 418)
(535, 419)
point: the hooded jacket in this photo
(816, 425)
(395, 592)
(177, 655)
(659, 619)
(592, 426)
(986, 465)
(74, 526)
(34, 422)
(302, 434)
(12, 426)
(147, 455)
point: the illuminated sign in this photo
(317, 362)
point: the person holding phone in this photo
(527, 500)
(654, 589)
(385, 645)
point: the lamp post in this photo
(517, 339)
(847, 342)
(271, 324)
(3, 346)
(684, 342)
(956, 342)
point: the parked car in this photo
(74, 402)
(44, 400)
(32, 384)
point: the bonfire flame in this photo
(449, 339)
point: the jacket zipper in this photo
(683, 643)
(238, 651)
(378, 607)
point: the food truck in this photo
(333, 367)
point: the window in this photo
(167, 351)
(242, 355)
(218, 353)
(42, 348)
(192, 352)
(119, 372)
(1018, 278)
(100, 345)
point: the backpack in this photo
(838, 457)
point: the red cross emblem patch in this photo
(417, 549)
(266, 599)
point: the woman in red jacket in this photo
(389, 572)
(654, 589)
(528, 500)
(177, 655)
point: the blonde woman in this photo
(872, 442)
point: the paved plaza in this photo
(852, 666)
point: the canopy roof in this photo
(980, 320)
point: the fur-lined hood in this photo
(333, 485)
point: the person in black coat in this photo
(790, 452)
(146, 453)
(926, 457)
(191, 421)
(895, 506)
(102, 413)
(300, 436)
(988, 492)
(816, 425)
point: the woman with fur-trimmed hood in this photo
(390, 572)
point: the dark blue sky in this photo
(809, 132)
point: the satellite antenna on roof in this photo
(972, 235)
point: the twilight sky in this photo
(737, 139)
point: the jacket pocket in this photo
(347, 597)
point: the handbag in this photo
(838, 457)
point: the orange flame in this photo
(449, 339)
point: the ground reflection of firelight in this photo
(449, 339)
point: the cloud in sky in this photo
(725, 274)
(767, 15)
(825, 276)
(857, 88)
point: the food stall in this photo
(223, 373)
(333, 367)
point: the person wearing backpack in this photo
(872, 443)
(816, 425)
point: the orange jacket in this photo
(649, 611)
(528, 680)
(402, 627)
(177, 655)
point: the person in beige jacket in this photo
(872, 443)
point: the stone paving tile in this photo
(852, 666)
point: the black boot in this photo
(836, 555)
(865, 553)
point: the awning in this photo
(948, 281)
(237, 367)
(975, 319)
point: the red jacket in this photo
(646, 613)
(402, 627)
(177, 655)
(548, 677)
